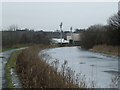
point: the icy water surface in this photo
(95, 66)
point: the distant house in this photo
(74, 38)
(59, 41)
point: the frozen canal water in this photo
(95, 66)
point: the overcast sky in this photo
(48, 15)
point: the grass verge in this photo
(14, 47)
(11, 64)
(109, 50)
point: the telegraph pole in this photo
(61, 24)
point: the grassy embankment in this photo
(37, 73)
(11, 64)
(14, 47)
(110, 50)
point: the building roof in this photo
(58, 40)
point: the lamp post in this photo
(71, 35)
(61, 32)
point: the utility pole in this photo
(61, 32)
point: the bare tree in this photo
(114, 20)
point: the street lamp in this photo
(61, 24)
(71, 35)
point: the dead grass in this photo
(111, 50)
(36, 73)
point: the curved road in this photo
(3, 60)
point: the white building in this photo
(59, 41)
(73, 36)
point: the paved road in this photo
(3, 60)
(5, 56)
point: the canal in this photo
(95, 67)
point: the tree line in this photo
(102, 34)
(16, 37)
(93, 35)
